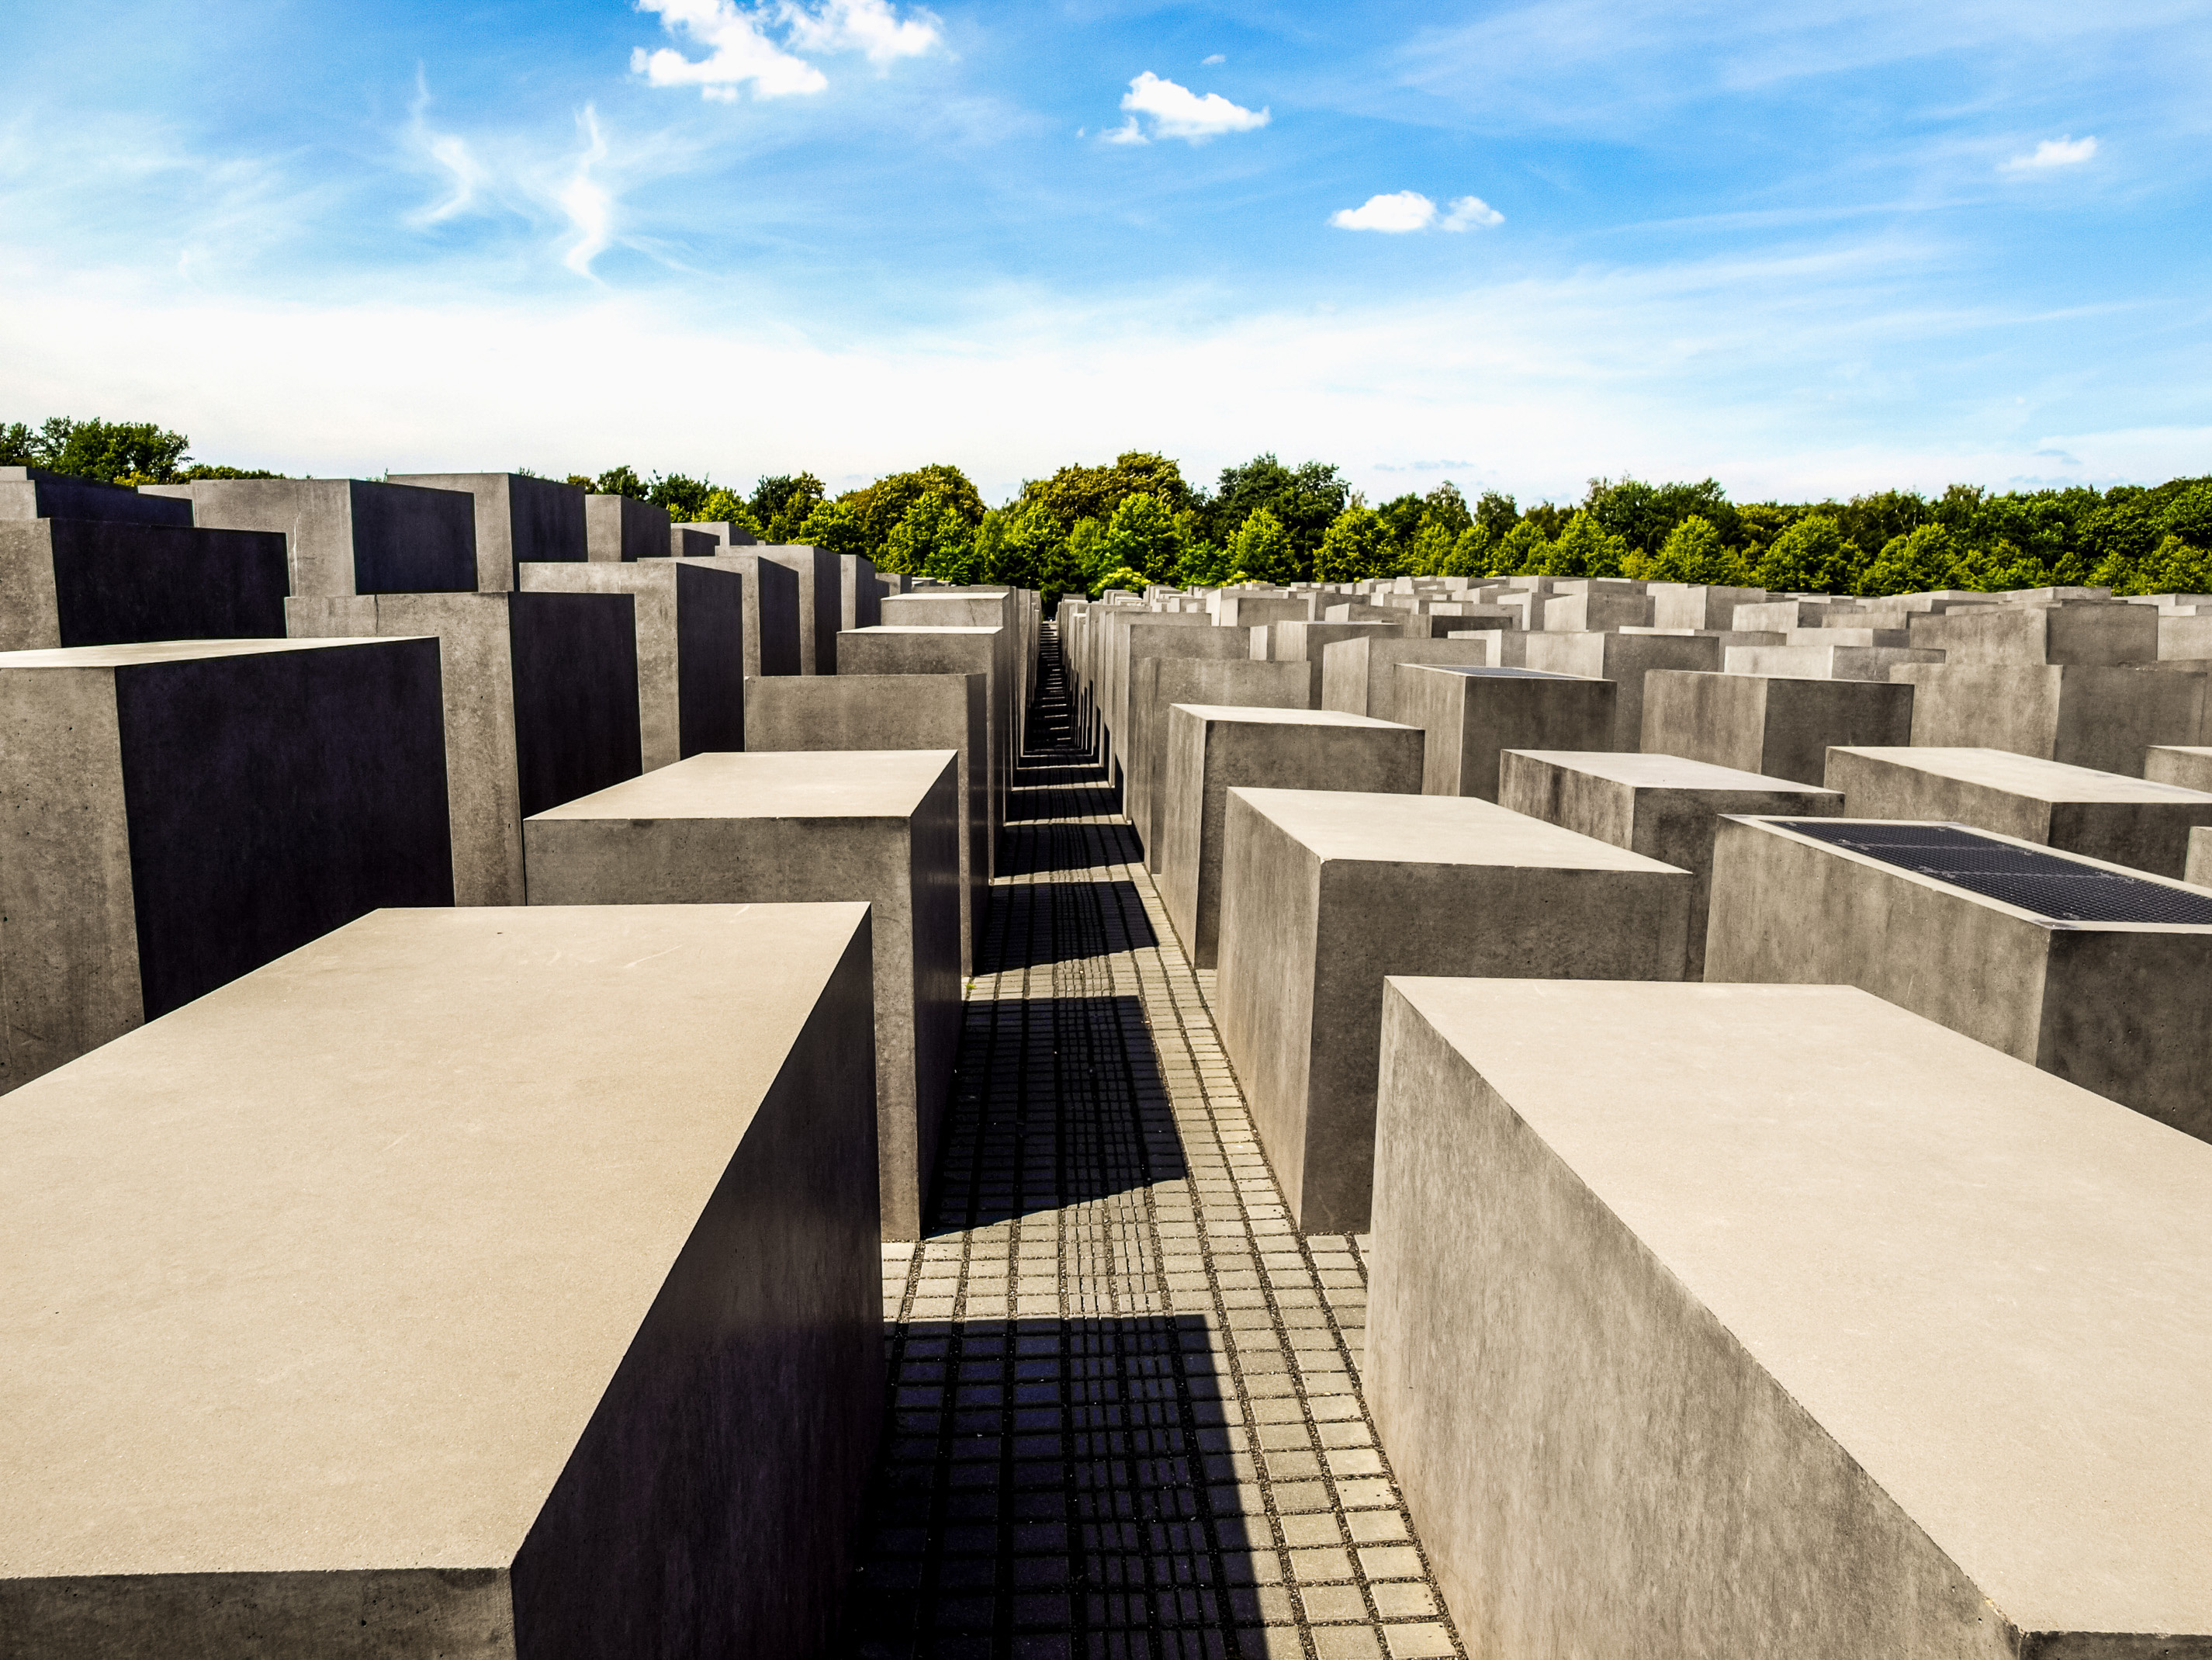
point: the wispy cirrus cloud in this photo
(587, 202)
(2053, 153)
(742, 53)
(448, 151)
(1168, 110)
(1400, 212)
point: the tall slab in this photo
(519, 519)
(897, 648)
(1734, 1320)
(1206, 667)
(347, 535)
(1777, 724)
(454, 1285)
(1472, 715)
(821, 606)
(2083, 715)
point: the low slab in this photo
(2108, 816)
(1325, 892)
(1762, 1320)
(474, 1282)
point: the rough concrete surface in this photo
(1470, 716)
(1777, 726)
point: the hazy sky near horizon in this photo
(1806, 248)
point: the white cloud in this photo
(1396, 214)
(2069, 152)
(866, 26)
(1209, 62)
(1176, 112)
(588, 204)
(740, 53)
(1466, 212)
(448, 151)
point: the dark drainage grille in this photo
(2048, 883)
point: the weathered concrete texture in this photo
(891, 648)
(540, 697)
(2121, 1008)
(1660, 806)
(771, 606)
(1994, 635)
(1323, 893)
(1359, 676)
(454, 1285)
(821, 605)
(873, 825)
(726, 535)
(35, 493)
(689, 624)
(1186, 635)
(2187, 765)
(1109, 652)
(1239, 610)
(112, 582)
(1624, 659)
(1584, 613)
(1700, 605)
(860, 596)
(1014, 610)
(1841, 661)
(1210, 749)
(2084, 715)
(2108, 816)
(177, 815)
(1161, 683)
(1470, 715)
(895, 712)
(519, 520)
(1308, 643)
(1728, 1320)
(2199, 871)
(617, 529)
(2188, 638)
(349, 535)
(1775, 725)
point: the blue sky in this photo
(1803, 248)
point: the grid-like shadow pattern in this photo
(1125, 1418)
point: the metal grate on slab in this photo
(2049, 884)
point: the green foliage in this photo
(718, 507)
(1692, 552)
(1142, 537)
(782, 504)
(110, 451)
(1305, 500)
(1080, 492)
(1262, 549)
(1919, 560)
(1644, 516)
(881, 505)
(1355, 547)
(1520, 552)
(1582, 548)
(683, 500)
(834, 527)
(932, 538)
(1810, 556)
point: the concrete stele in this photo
(1942, 1370)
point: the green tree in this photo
(1810, 556)
(834, 527)
(1262, 549)
(1927, 559)
(932, 538)
(879, 507)
(1355, 547)
(1470, 554)
(1141, 536)
(1305, 500)
(1692, 552)
(1027, 547)
(684, 499)
(718, 507)
(1520, 552)
(109, 451)
(1080, 492)
(1583, 548)
(781, 504)
(1644, 516)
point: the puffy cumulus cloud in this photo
(741, 51)
(1468, 212)
(1176, 111)
(1396, 214)
(2052, 154)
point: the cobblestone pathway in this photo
(1125, 1416)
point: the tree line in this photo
(1137, 521)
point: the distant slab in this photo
(2099, 974)
(2085, 715)
(1780, 725)
(1472, 715)
(113, 581)
(2124, 821)
(876, 825)
(1763, 1321)
(520, 519)
(349, 535)
(469, 1282)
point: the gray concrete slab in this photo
(1663, 806)
(894, 649)
(821, 602)
(1469, 715)
(499, 1283)
(112, 582)
(771, 606)
(2187, 638)
(36, 493)
(1843, 660)
(876, 825)
(2123, 1008)
(1623, 659)
(2199, 871)
(2107, 816)
(727, 535)
(2087, 633)
(1701, 605)
(860, 597)
(1182, 635)
(1596, 612)
(1780, 725)
(895, 712)
(1325, 892)
(2187, 765)
(685, 544)
(1209, 749)
(1359, 676)
(690, 630)
(1734, 1320)
(1160, 683)
(520, 519)
(346, 536)
(540, 699)
(2083, 715)
(178, 815)
(618, 529)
